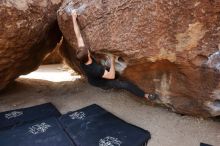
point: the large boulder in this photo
(169, 47)
(28, 31)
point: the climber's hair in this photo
(82, 54)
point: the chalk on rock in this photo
(69, 9)
(79, 10)
(214, 107)
(213, 61)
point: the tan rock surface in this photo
(54, 57)
(166, 46)
(28, 31)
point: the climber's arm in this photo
(111, 73)
(77, 30)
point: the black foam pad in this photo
(94, 126)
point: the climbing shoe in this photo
(153, 96)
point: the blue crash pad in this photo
(19, 116)
(47, 132)
(94, 126)
(204, 144)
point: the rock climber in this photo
(97, 74)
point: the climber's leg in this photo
(116, 84)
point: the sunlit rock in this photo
(28, 31)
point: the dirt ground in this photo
(68, 94)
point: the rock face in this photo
(164, 46)
(54, 57)
(28, 31)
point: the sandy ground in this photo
(68, 94)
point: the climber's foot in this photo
(151, 96)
